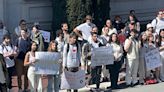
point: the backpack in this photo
(77, 45)
(156, 23)
(3, 46)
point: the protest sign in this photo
(46, 35)
(152, 59)
(47, 62)
(102, 56)
(73, 80)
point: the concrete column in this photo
(1, 10)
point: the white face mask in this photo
(117, 21)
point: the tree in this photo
(101, 9)
(59, 14)
(77, 10)
(74, 11)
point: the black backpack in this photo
(77, 45)
(3, 46)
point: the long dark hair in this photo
(140, 38)
(110, 39)
(160, 38)
(134, 17)
(32, 42)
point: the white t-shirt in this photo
(85, 28)
(6, 49)
(2, 76)
(60, 45)
(162, 43)
(158, 24)
(111, 31)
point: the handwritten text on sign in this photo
(73, 80)
(102, 56)
(152, 59)
(47, 62)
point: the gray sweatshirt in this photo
(72, 57)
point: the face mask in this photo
(117, 21)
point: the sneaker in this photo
(115, 87)
(95, 90)
(158, 80)
(134, 84)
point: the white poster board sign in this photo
(46, 35)
(102, 56)
(152, 59)
(73, 80)
(162, 54)
(47, 63)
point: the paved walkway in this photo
(146, 88)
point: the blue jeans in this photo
(53, 83)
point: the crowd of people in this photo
(129, 45)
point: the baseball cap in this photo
(149, 25)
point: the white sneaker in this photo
(158, 80)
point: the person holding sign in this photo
(72, 56)
(30, 61)
(151, 46)
(118, 53)
(95, 70)
(131, 46)
(53, 80)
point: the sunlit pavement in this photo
(145, 88)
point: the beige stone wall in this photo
(145, 9)
(30, 10)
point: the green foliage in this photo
(59, 14)
(77, 10)
(74, 12)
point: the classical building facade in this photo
(145, 10)
(12, 11)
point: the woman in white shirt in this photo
(118, 53)
(60, 40)
(151, 46)
(30, 61)
(111, 28)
